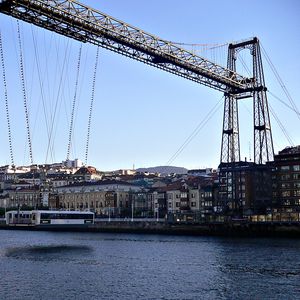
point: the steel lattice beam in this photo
(75, 20)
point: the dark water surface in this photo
(51, 265)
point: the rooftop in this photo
(290, 150)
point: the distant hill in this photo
(164, 170)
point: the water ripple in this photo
(260, 271)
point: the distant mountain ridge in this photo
(164, 170)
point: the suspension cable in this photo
(6, 102)
(196, 131)
(281, 83)
(91, 107)
(206, 46)
(53, 114)
(41, 83)
(22, 75)
(74, 102)
(244, 64)
(284, 103)
(283, 129)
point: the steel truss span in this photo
(80, 22)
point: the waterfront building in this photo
(159, 202)
(190, 196)
(183, 196)
(194, 195)
(4, 201)
(24, 197)
(206, 203)
(109, 197)
(247, 191)
(271, 190)
(286, 184)
(140, 204)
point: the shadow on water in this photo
(47, 252)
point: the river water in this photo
(60, 265)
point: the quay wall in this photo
(209, 229)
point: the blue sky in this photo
(143, 115)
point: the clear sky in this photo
(142, 115)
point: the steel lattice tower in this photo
(263, 143)
(231, 167)
(230, 151)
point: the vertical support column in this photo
(263, 143)
(230, 149)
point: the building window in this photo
(296, 176)
(285, 168)
(296, 168)
(242, 195)
(193, 204)
(297, 193)
(286, 176)
(286, 194)
(170, 204)
(207, 194)
(177, 204)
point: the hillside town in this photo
(264, 194)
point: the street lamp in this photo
(154, 208)
(132, 209)
(17, 200)
(5, 208)
(109, 211)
